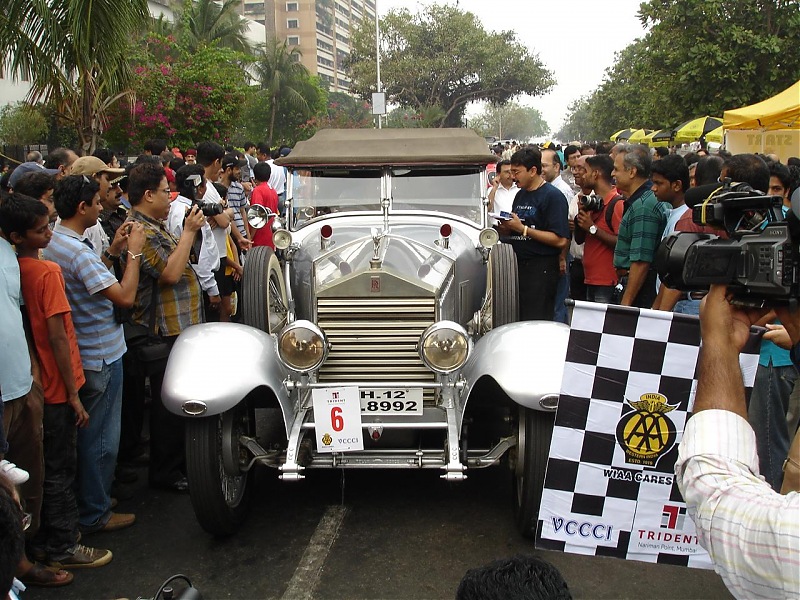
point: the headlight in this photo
(282, 239)
(444, 347)
(302, 346)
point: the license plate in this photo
(394, 401)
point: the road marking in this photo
(307, 574)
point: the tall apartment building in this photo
(320, 29)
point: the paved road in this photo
(362, 535)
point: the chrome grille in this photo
(375, 339)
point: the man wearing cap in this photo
(29, 167)
(110, 192)
(190, 156)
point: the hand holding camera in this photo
(195, 219)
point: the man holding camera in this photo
(169, 286)
(751, 532)
(598, 219)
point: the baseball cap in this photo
(91, 165)
(285, 151)
(28, 167)
(232, 160)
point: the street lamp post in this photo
(378, 56)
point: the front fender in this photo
(526, 359)
(199, 370)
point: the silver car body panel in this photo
(526, 359)
(191, 369)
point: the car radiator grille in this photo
(375, 339)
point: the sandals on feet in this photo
(40, 576)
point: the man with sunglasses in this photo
(110, 192)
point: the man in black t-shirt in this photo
(538, 231)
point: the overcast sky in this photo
(576, 40)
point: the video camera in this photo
(760, 262)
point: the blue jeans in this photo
(562, 293)
(767, 415)
(98, 443)
(687, 307)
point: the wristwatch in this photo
(110, 256)
(593, 229)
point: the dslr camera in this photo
(760, 259)
(210, 209)
(591, 203)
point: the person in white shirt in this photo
(501, 196)
(191, 183)
(751, 532)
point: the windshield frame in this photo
(478, 204)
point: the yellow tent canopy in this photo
(716, 135)
(639, 136)
(779, 112)
(650, 139)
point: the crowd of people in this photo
(596, 241)
(92, 253)
(95, 249)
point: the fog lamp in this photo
(444, 346)
(282, 239)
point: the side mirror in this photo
(258, 216)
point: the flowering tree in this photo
(180, 96)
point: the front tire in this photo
(219, 489)
(503, 280)
(535, 430)
(264, 304)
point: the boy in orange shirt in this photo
(25, 223)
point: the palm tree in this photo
(74, 54)
(281, 74)
(209, 21)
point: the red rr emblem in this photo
(375, 285)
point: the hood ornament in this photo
(377, 238)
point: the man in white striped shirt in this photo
(751, 532)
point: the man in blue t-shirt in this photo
(538, 231)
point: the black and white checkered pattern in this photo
(593, 501)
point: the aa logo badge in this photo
(327, 439)
(646, 433)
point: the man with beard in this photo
(599, 228)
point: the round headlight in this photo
(282, 239)
(488, 237)
(302, 346)
(444, 347)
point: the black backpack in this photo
(610, 210)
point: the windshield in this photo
(318, 192)
(453, 191)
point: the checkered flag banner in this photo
(628, 388)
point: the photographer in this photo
(191, 184)
(751, 532)
(177, 303)
(596, 224)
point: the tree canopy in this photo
(182, 96)
(74, 53)
(699, 57)
(510, 121)
(443, 57)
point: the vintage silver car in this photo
(389, 297)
